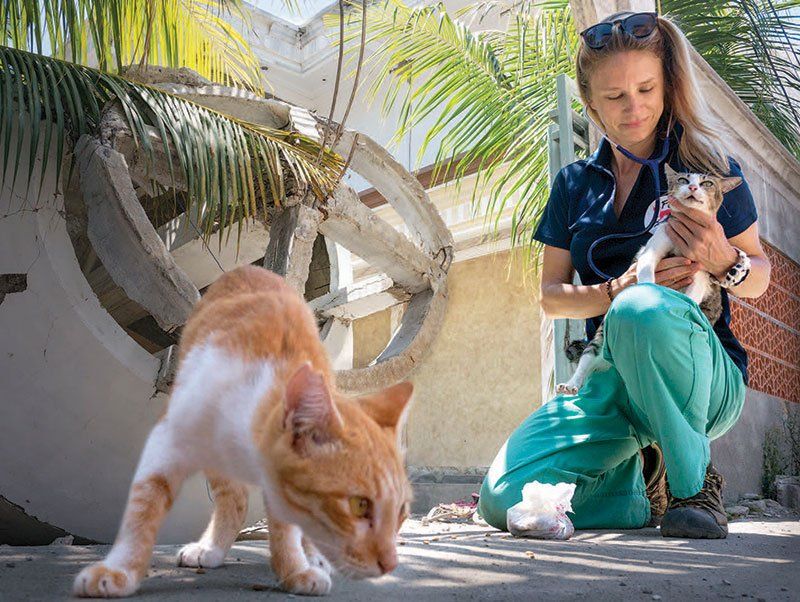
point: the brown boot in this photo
(701, 516)
(655, 479)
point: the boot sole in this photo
(687, 524)
(695, 534)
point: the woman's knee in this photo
(643, 306)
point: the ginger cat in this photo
(254, 402)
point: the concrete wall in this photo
(739, 453)
(480, 380)
(78, 397)
(77, 394)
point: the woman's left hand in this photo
(700, 237)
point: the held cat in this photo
(701, 191)
(255, 403)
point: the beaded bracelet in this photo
(738, 272)
(607, 284)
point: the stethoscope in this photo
(653, 165)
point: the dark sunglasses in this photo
(639, 25)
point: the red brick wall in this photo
(769, 329)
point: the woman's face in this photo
(627, 91)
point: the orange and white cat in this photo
(254, 403)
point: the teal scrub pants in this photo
(669, 381)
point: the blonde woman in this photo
(675, 380)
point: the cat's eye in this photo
(683, 181)
(360, 506)
(707, 183)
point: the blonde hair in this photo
(700, 148)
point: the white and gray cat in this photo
(700, 191)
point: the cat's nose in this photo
(692, 187)
(387, 562)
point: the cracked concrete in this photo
(455, 561)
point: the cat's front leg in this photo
(653, 252)
(295, 573)
(315, 557)
(589, 362)
(154, 488)
(586, 365)
(230, 510)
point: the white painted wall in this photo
(77, 397)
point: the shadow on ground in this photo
(759, 560)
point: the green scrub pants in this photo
(670, 381)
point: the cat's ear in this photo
(309, 412)
(669, 172)
(388, 407)
(726, 184)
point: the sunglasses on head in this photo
(638, 25)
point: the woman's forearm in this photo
(581, 301)
(574, 301)
(756, 282)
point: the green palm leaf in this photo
(219, 155)
(749, 46)
(490, 93)
(115, 33)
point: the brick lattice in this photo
(769, 329)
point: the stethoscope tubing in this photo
(653, 164)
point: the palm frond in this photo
(219, 155)
(489, 94)
(116, 33)
(756, 50)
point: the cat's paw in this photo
(311, 582)
(315, 558)
(567, 389)
(100, 581)
(200, 555)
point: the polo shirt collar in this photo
(601, 158)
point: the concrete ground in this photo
(443, 561)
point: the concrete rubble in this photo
(753, 505)
(788, 489)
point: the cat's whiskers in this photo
(343, 562)
(334, 555)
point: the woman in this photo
(675, 379)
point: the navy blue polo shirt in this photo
(581, 209)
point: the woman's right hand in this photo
(676, 272)
(672, 272)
